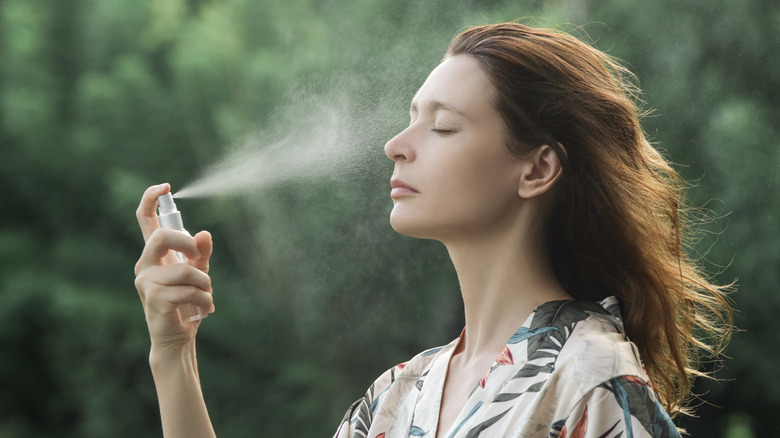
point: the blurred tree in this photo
(315, 294)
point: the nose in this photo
(398, 148)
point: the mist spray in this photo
(170, 218)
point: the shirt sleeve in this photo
(354, 424)
(624, 406)
(357, 420)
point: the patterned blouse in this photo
(568, 372)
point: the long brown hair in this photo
(618, 225)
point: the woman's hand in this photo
(164, 283)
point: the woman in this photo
(525, 157)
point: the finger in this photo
(180, 274)
(168, 299)
(161, 242)
(205, 246)
(146, 214)
(152, 280)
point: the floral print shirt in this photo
(568, 372)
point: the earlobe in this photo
(540, 170)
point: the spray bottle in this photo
(170, 218)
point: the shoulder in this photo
(621, 406)
(596, 349)
(584, 345)
(599, 370)
(357, 420)
(387, 395)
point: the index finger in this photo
(147, 209)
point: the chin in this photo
(410, 226)
(401, 223)
(400, 226)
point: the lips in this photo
(400, 189)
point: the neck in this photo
(503, 277)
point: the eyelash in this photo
(443, 131)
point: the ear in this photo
(540, 169)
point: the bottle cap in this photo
(168, 214)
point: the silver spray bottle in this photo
(170, 218)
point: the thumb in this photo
(205, 246)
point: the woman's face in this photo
(454, 176)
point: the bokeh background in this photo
(316, 295)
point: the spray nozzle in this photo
(169, 215)
(166, 204)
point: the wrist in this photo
(182, 408)
(162, 358)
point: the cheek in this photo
(477, 185)
(488, 171)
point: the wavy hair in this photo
(619, 223)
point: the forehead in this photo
(458, 83)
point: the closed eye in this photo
(443, 131)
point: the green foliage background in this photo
(316, 295)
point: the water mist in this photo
(312, 140)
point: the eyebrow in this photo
(435, 105)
